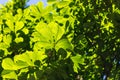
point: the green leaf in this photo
(41, 54)
(40, 6)
(10, 25)
(48, 35)
(17, 17)
(36, 37)
(49, 17)
(19, 25)
(7, 30)
(9, 17)
(36, 55)
(33, 56)
(62, 4)
(19, 11)
(3, 46)
(25, 30)
(78, 59)
(61, 19)
(26, 12)
(56, 30)
(44, 31)
(19, 39)
(42, 45)
(8, 64)
(7, 39)
(34, 11)
(9, 74)
(24, 58)
(47, 10)
(63, 43)
(21, 64)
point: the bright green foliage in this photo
(9, 74)
(8, 64)
(78, 59)
(66, 40)
(34, 42)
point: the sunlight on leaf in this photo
(19, 39)
(57, 31)
(25, 58)
(78, 59)
(7, 39)
(9, 74)
(63, 43)
(8, 64)
(19, 25)
(10, 25)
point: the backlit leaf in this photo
(19, 25)
(25, 30)
(9, 74)
(7, 39)
(42, 45)
(44, 31)
(10, 25)
(57, 31)
(19, 39)
(24, 58)
(78, 59)
(8, 64)
(62, 4)
(21, 64)
(63, 43)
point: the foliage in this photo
(66, 40)
(97, 27)
(35, 43)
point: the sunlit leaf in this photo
(25, 30)
(8, 64)
(42, 45)
(7, 39)
(42, 54)
(7, 30)
(19, 25)
(9, 16)
(63, 43)
(33, 56)
(26, 12)
(19, 39)
(47, 10)
(35, 11)
(57, 31)
(40, 6)
(10, 24)
(21, 64)
(19, 11)
(44, 31)
(24, 58)
(9, 74)
(63, 4)
(78, 59)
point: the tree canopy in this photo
(66, 40)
